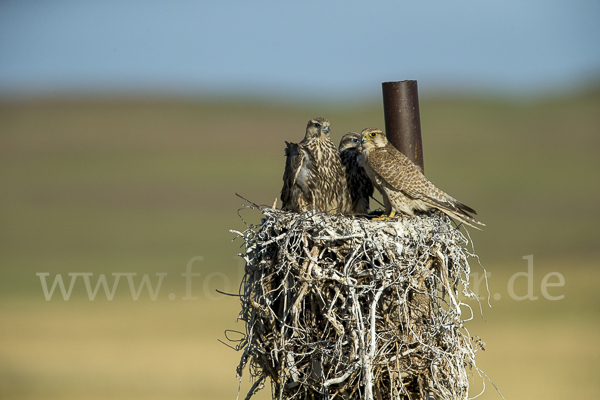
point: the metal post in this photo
(402, 120)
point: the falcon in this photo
(313, 176)
(402, 183)
(359, 185)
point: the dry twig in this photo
(346, 307)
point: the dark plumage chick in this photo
(358, 183)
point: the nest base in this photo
(340, 307)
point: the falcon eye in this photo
(318, 125)
(372, 134)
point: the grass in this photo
(143, 186)
(168, 349)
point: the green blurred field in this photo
(144, 185)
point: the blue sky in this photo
(326, 49)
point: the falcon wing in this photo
(398, 171)
(293, 165)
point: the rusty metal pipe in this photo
(402, 119)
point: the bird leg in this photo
(385, 217)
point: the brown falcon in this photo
(313, 176)
(360, 187)
(402, 183)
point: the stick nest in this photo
(340, 307)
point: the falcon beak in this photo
(325, 129)
(364, 139)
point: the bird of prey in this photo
(402, 183)
(360, 187)
(313, 176)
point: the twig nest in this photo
(347, 307)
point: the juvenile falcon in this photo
(313, 176)
(402, 184)
(359, 185)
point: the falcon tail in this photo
(464, 218)
(464, 208)
(457, 210)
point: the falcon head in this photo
(350, 140)
(317, 128)
(372, 137)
